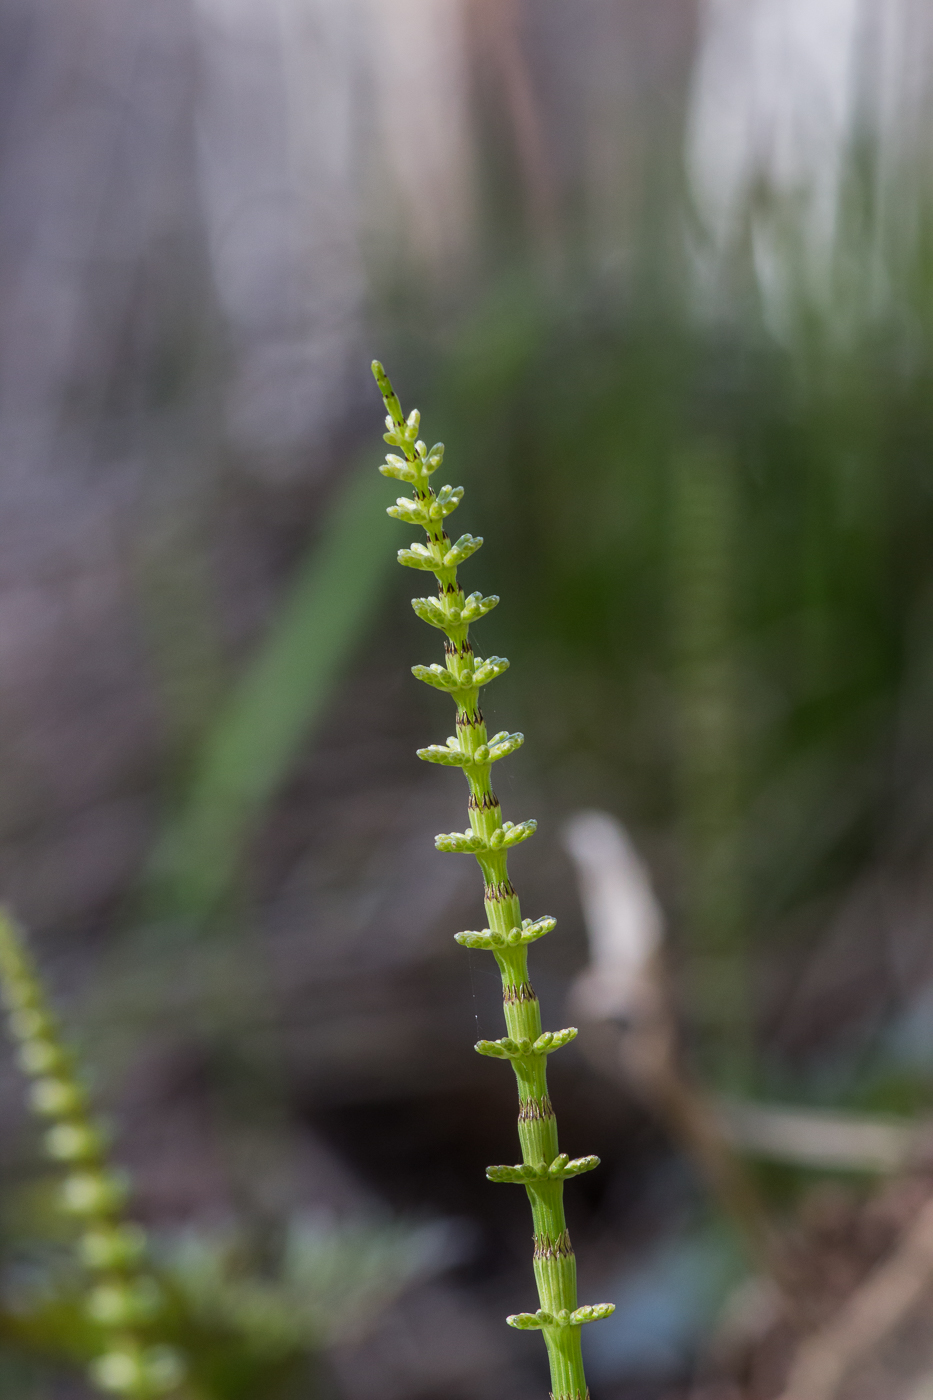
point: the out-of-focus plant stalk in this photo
(124, 1300)
(543, 1168)
(703, 522)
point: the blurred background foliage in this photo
(660, 273)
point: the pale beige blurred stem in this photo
(498, 27)
(625, 997)
(647, 1059)
(870, 1315)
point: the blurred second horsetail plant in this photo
(123, 1301)
(543, 1168)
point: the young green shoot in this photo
(543, 1168)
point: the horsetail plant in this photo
(543, 1169)
(124, 1300)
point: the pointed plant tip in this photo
(390, 398)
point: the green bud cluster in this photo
(544, 1168)
(123, 1301)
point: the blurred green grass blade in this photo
(275, 705)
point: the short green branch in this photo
(508, 1049)
(471, 842)
(559, 1170)
(491, 938)
(590, 1313)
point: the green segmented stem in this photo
(543, 1168)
